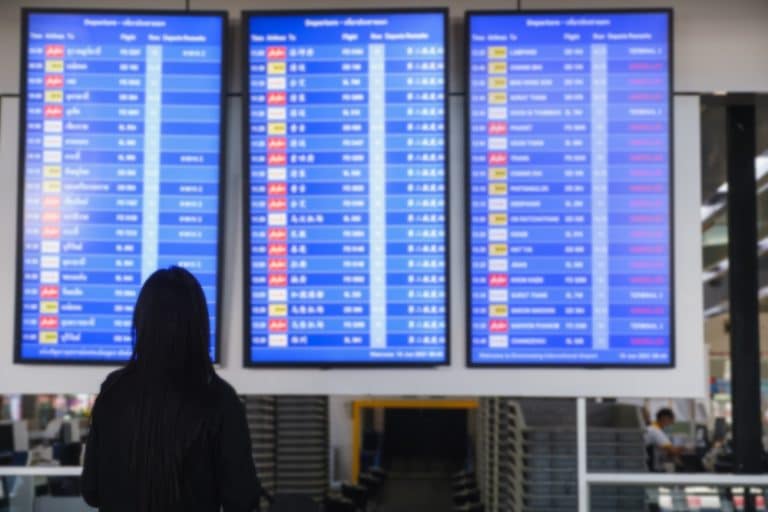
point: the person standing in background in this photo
(660, 449)
(167, 433)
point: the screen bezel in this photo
(468, 15)
(245, 62)
(22, 148)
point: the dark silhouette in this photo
(167, 434)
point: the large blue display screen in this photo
(121, 130)
(569, 189)
(347, 188)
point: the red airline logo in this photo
(53, 112)
(276, 53)
(54, 50)
(276, 264)
(277, 280)
(49, 292)
(497, 128)
(498, 326)
(278, 325)
(51, 232)
(277, 250)
(276, 98)
(276, 158)
(277, 234)
(276, 143)
(498, 280)
(54, 81)
(49, 322)
(52, 202)
(277, 189)
(497, 158)
(277, 205)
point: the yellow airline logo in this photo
(497, 189)
(54, 96)
(276, 129)
(497, 52)
(497, 219)
(49, 307)
(496, 98)
(49, 337)
(499, 310)
(497, 249)
(276, 68)
(497, 68)
(51, 187)
(278, 310)
(54, 66)
(497, 173)
(52, 171)
(497, 82)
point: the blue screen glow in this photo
(569, 189)
(121, 169)
(347, 171)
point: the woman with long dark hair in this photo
(167, 434)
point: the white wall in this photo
(697, 42)
(719, 44)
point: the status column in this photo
(377, 191)
(150, 213)
(600, 300)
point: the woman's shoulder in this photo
(112, 380)
(223, 391)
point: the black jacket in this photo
(218, 470)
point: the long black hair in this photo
(171, 360)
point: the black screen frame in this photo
(223, 17)
(245, 66)
(468, 15)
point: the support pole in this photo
(581, 453)
(743, 290)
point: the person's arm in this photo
(90, 479)
(664, 444)
(672, 451)
(239, 487)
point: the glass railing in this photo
(41, 489)
(678, 492)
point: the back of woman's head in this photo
(172, 330)
(172, 368)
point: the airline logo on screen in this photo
(277, 191)
(50, 231)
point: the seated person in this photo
(657, 443)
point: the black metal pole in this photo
(743, 270)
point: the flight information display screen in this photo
(346, 202)
(569, 190)
(120, 166)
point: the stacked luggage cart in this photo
(290, 444)
(527, 455)
(260, 412)
(302, 446)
